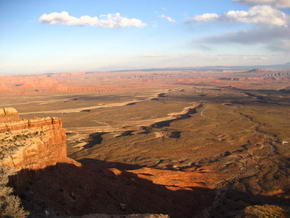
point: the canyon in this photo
(145, 109)
(148, 144)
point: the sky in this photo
(102, 35)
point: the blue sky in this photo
(54, 36)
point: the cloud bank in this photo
(274, 3)
(108, 20)
(263, 14)
(270, 27)
(273, 38)
(258, 35)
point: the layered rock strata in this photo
(31, 144)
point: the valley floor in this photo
(226, 145)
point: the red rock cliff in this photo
(31, 144)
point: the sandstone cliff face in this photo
(31, 144)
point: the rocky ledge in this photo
(31, 144)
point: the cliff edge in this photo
(31, 144)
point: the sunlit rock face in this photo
(31, 144)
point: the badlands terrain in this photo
(170, 143)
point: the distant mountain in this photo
(285, 66)
(253, 68)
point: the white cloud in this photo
(263, 14)
(259, 14)
(169, 19)
(108, 20)
(206, 17)
(272, 29)
(274, 3)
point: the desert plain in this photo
(186, 143)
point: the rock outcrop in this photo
(31, 144)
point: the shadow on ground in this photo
(106, 188)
